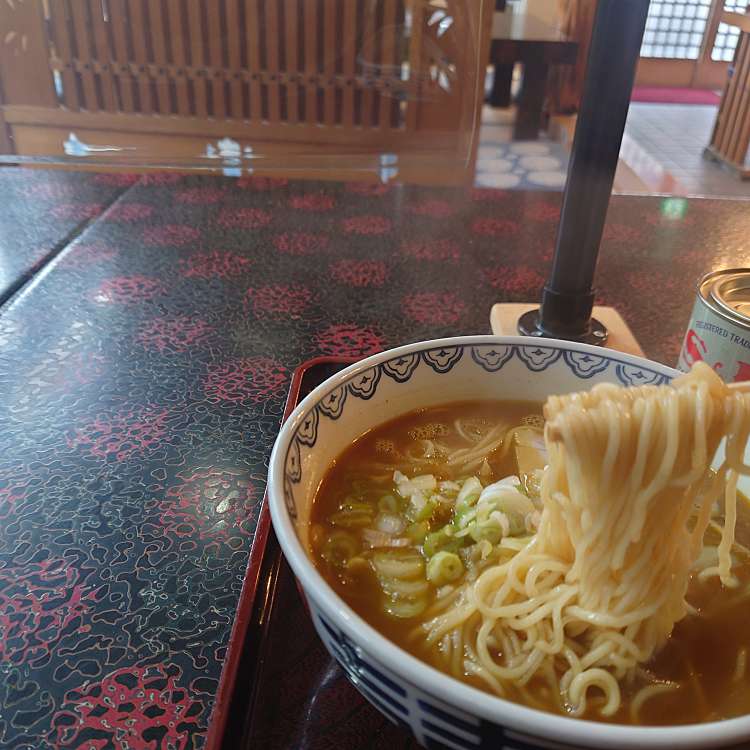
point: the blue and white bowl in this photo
(439, 710)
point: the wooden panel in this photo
(82, 51)
(740, 153)
(103, 53)
(331, 47)
(328, 164)
(196, 56)
(656, 72)
(480, 31)
(273, 42)
(719, 123)
(311, 59)
(415, 62)
(731, 136)
(367, 48)
(233, 45)
(388, 60)
(124, 79)
(24, 56)
(741, 20)
(709, 35)
(348, 63)
(6, 145)
(291, 21)
(140, 55)
(156, 31)
(177, 43)
(453, 105)
(736, 148)
(198, 60)
(741, 170)
(728, 108)
(733, 95)
(61, 36)
(301, 136)
(215, 58)
(442, 105)
(710, 74)
(252, 37)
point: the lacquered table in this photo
(144, 366)
(41, 213)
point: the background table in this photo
(525, 38)
(143, 375)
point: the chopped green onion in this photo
(469, 494)
(424, 513)
(444, 567)
(401, 577)
(405, 608)
(398, 563)
(443, 539)
(488, 529)
(417, 531)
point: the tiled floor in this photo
(499, 167)
(662, 152)
(664, 145)
(529, 165)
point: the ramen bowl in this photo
(438, 709)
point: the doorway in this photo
(686, 45)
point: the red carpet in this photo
(658, 95)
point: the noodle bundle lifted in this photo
(601, 585)
(561, 593)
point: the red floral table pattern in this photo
(143, 379)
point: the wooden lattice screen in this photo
(159, 80)
(730, 142)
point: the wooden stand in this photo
(731, 136)
(504, 320)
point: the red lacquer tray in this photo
(259, 683)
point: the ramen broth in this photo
(358, 501)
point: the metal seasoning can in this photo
(719, 330)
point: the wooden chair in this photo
(731, 136)
(320, 87)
